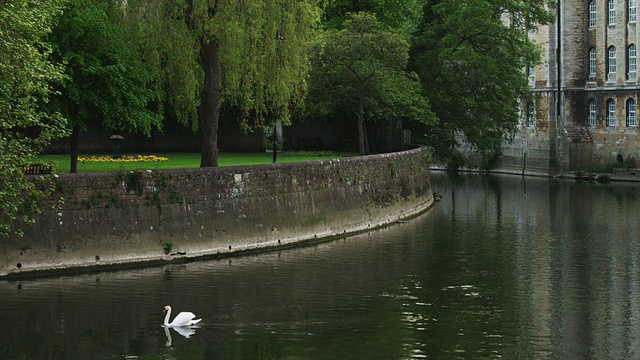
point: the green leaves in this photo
(25, 74)
(362, 68)
(264, 49)
(401, 15)
(106, 82)
(470, 61)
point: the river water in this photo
(502, 267)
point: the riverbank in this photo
(140, 218)
(618, 174)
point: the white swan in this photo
(184, 318)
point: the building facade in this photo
(584, 112)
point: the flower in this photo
(125, 158)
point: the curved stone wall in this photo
(113, 219)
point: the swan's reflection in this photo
(185, 331)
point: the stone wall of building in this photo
(134, 217)
(550, 142)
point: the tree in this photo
(158, 37)
(252, 55)
(402, 15)
(25, 74)
(105, 82)
(471, 63)
(256, 57)
(363, 68)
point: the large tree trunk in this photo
(75, 144)
(209, 112)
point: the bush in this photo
(630, 162)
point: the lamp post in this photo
(275, 141)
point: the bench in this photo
(37, 169)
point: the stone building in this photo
(586, 90)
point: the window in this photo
(611, 113)
(633, 58)
(592, 14)
(591, 121)
(612, 12)
(592, 62)
(531, 114)
(612, 60)
(532, 75)
(631, 113)
(632, 11)
(517, 22)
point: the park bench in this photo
(37, 169)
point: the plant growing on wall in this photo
(168, 246)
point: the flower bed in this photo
(124, 158)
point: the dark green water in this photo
(501, 268)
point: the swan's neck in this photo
(166, 317)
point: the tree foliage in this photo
(471, 57)
(252, 55)
(25, 74)
(158, 37)
(402, 15)
(362, 68)
(106, 83)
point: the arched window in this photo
(632, 11)
(592, 13)
(631, 113)
(591, 121)
(611, 64)
(592, 62)
(633, 58)
(531, 114)
(611, 113)
(612, 12)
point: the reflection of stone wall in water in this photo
(111, 218)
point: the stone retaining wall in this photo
(112, 219)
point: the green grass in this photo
(61, 163)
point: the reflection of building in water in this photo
(586, 90)
(575, 264)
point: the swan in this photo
(184, 318)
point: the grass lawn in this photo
(61, 163)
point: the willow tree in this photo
(251, 54)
